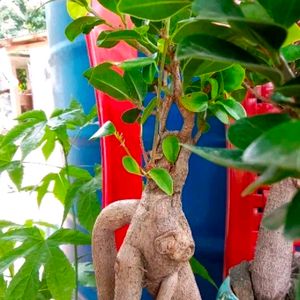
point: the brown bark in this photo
(271, 268)
(156, 251)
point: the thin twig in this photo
(254, 92)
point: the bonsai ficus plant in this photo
(199, 56)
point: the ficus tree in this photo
(200, 57)
(46, 271)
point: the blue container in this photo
(68, 61)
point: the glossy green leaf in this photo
(268, 177)
(111, 5)
(108, 128)
(290, 88)
(282, 13)
(3, 287)
(224, 157)
(131, 165)
(136, 84)
(244, 131)
(291, 52)
(137, 63)
(42, 189)
(60, 187)
(25, 283)
(108, 81)
(163, 179)
(195, 102)
(233, 108)
(201, 271)
(60, 275)
(220, 113)
(218, 50)
(276, 218)
(292, 222)
(16, 133)
(131, 115)
(77, 8)
(214, 87)
(33, 139)
(293, 35)
(233, 77)
(149, 73)
(69, 236)
(108, 39)
(22, 234)
(81, 25)
(171, 148)
(77, 172)
(277, 147)
(88, 209)
(239, 94)
(149, 110)
(216, 9)
(154, 10)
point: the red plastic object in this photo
(244, 214)
(117, 183)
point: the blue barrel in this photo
(68, 61)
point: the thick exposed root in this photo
(271, 268)
(104, 250)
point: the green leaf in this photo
(268, 177)
(60, 187)
(35, 116)
(16, 172)
(78, 173)
(25, 283)
(136, 84)
(77, 8)
(291, 52)
(88, 209)
(16, 133)
(111, 5)
(171, 148)
(290, 88)
(149, 73)
(5, 224)
(69, 236)
(244, 131)
(195, 102)
(154, 10)
(233, 77)
(233, 108)
(218, 50)
(108, 128)
(277, 147)
(292, 222)
(49, 145)
(86, 276)
(81, 25)
(131, 115)
(22, 234)
(200, 270)
(281, 13)
(131, 165)
(33, 139)
(108, 39)
(3, 287)
(214, 88)
(220, 113)
(137, 63)
(293, 35)
(42, 189)
(148, 110)
(163, 179)
(276, 218)
(60, 275)
(224, 157)
(108, 81)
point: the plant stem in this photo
(159, 89)
(74, 223)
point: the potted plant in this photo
(196, 54)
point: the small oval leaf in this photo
(108, 128)
(131, 115)
(163, 179)
(233, 108)
(131, 165)
(171, 148)
(195, 102)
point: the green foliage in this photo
(108, 128)
(163, 179)
(131, 165)
(171, 148)
(38, 243)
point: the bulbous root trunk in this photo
(269, 274)
(155, 253)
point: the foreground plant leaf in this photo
(131, 165)
(171, 148)
(163, 179)
(292, 221)
(108, 128)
